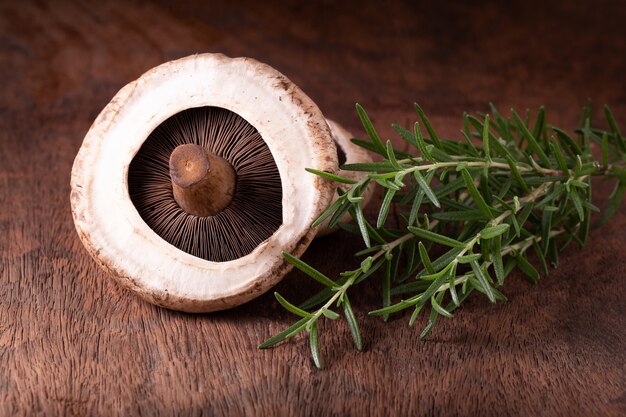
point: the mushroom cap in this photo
(116, 236)
(353, 154)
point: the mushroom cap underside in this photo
(112, 230)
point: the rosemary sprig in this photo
(471, 212)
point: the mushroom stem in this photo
(203, 183)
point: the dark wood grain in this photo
(73, 343)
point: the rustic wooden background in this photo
(73, 343)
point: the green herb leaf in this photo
(527, 268)
(329, 211)
(391, 155)
(429, 127)
(285, 334)
(452, 289)
(441, 277)
(540, 123)
(531, 139)
(486, 138)
(416, 312)
(425, 259)
(572, 146)
(493, 231)
(431, 321)
(498, 266)
(352, 323)
(426, 188)
(438, 308)
(613, 124)
(369, 128)
(290, 307)
(360, 218)
(314, 343)
(573, 195)
(384, 208)
(330, 176)
(435, 237)
(330, 314)
(469, 258)
(421, 144)
(478, 199)
(339, 213)
(482, 279)
(309, 270)
(405, 134)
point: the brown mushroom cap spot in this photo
(202, 182)
(252, 215)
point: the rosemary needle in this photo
(526, 188)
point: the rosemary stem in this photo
(475, 164)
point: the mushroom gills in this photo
(205, 181)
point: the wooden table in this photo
(73, 343)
